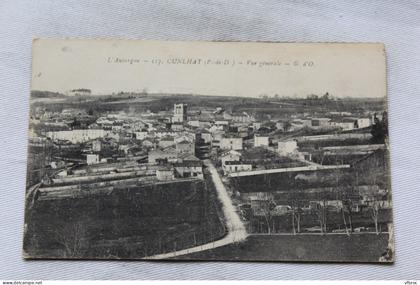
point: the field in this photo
(331, 248)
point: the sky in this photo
(209, 68)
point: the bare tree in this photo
(349, 196)
(345, 223)
(348, 199)
(293, 221)
(322, 215)
(296, 219)
(321, 211)
(266, 210)
(267, 216)
(375, 207)
(376, 203)
(296, 203)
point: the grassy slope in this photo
(331, 248)
(129, 223)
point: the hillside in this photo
(127, 223)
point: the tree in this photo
(296, 219)
(296, 203)
(376, 198)
(287, 125)
(347, 212)
(375, 207)
(91, 112)
(349, 196)
(326, 96)
(266, 210)
(321, 214)
(73, 237)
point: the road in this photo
(234, 225)
(311, 167)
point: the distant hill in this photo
(46, 94)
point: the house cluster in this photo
(231, 161)
(334, 121)
(264, 203)
(191, 137)
(176, 141)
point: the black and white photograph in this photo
(215, 151)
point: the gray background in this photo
(396, 23)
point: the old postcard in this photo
(208, 151)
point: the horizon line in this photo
(260, 96)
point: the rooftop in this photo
(189, 163)
(238, 162)
(167, 138)
(188, 157)
(184, 142)
(231, 151)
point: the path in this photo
(311, 167)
